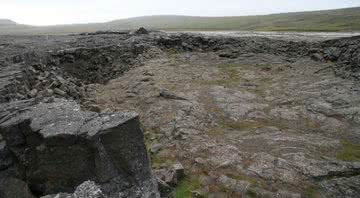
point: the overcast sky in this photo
(50, 12)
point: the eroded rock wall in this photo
(346, 52)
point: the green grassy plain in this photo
(340, 20)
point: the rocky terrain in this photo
(221, 116)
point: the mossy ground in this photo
(349, 152)
(250, 193)
(229, 76)
(186, 186)
(312, 192)
(227, 124)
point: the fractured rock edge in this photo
(67, 72)
(54, 147)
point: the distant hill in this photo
(7, 22)
(329, 20)
(347, 19)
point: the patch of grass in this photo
(228, 124)
(231, 70)
(242, 125)
(231, 74)
(150, 137)
(216, 131)
(264, 67)
(243, 177)
(164, 158)
(312, 192)
(157, 161)
(172, 51)
(251, 193)
(184, 188)
(349, 152)
(251, 180)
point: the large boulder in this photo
(57, 147)
(14, 188)
(141, 30)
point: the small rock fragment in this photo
(200, 160)
(317, 57)
(59, 92)
(168, 95)
(33, 93)
(179, 170)
(156, 148)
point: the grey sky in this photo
(48, 12)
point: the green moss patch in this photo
(349, 152)
(250, 193)
(242, 125)
(230, 73)
(186, 186)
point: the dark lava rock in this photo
(141, 31)
(105, 32)
(14, 188)
(228, 55)
(57, 147)
(168, 95)
(65, 73)
(170, 42)
(317, 57)
(346, 52)
(164, 189)
(342, 187)
(5, 156)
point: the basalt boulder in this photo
(55, 147)
(141, 31)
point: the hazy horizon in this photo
(41, 12)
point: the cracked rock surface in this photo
(57, 146)
(244, 116)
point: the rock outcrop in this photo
(54, 147)
(66, 73)
(141, 31)
(346, 53)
